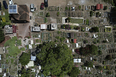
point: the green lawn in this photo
(76, 20)
(13, 50)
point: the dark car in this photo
(42, 6)
(5, 5)
(0, 5)
(46, 3)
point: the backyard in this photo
(76, 20)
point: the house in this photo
(20, 13)
(35, 29)
(53, 26)
(9, 29)
(99, 6)
(43, 26)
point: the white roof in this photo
(43, 26)
(75, 60)
(33, 70)
(12, 9)
(90, 58)
(79, 60)
(30, 46)
(0, 57)
(53, 26)
(89, 68)
(4, 74)
(30, 64)
(31, 41)
(39, 67)
(95, 36)
(36, 29)
(0, 70)
(33, 58)
(68, 45)
(67, 40)
(77, 45)
(72, 50)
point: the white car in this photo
(10, 2)
(32, 8)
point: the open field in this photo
(76, 20)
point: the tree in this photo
(105, 7)
(99, 67)
(2, 38)
(58, 13)
(55, 59)
(25, 73)
(89, 49)
(91, 13)
(74, 72)
(88, 63)
(94, 29)
(108, 57)
(24, 58)
(47, 15)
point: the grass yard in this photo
(76, 20)
(108, 29)
(13, 50)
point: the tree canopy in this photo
(24, 58)
(2, 38)
(89, 49)
(55, 59)
(94, 29)
(74, 72)
(88, 63)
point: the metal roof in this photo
(12, 9)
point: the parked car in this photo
(42, 6)
(32, 9)
(10, 2)
(5, 5)
(0, 6)
(46, 3)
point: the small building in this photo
(75, 40)
(35, 29)
(0, 57)
(43, 26)
(30, 46)
(73, 50)
(12, 9)
(53, 26)
(95, 36)
(77, 60)
(33, 58)
(30, 64)
(32, 42)
(67, 40)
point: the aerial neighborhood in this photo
(57, 38)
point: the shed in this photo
(30, 46)
(33, 58)
(72, 50)
(31, 41)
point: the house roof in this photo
(23, 13)
(43, 26)
(75, 40)
(12, 9)
(53, 26)
(14, 28)
(101, 6)
(30, 64)
(98, 6)
(36, 29)
(0, 70)
(33, 58)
